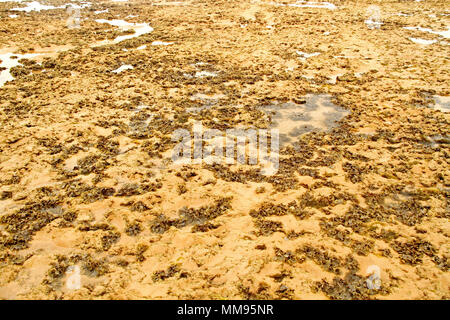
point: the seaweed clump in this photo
(162, 275)
(351, 287)
(322, 258)
(412, 252)
(25, 222)
(199, 217)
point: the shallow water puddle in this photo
(292, 120)
(333, 78)
(123, 68)
(445, 34)
(373, 24)
(161, 43)
(201, 73)
(36, 6)
(401, 14)
(139, 30)
(101, 11)
(115, 23)
(10, 60)
(234, 146)
(422, 41)
(82, 5)
(304, 55)
(205, 74)
(441, 103)
(436, 141)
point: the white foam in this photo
(12, 16)
(123, 68)
(142, 47)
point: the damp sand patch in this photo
(292, 120)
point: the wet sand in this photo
(87, 182)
